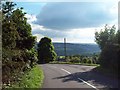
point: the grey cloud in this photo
(65, 16)
(50, 33)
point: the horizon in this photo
(74, 43)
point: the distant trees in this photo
(46, 51)
(18, 52)
(92, 59)
(108, 41)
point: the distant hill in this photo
(76, 49)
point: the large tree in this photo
(46, 51)
(17, 42)
(16, 32)
(108, 41)
(9, 33)
(106, 36)
(25, 40)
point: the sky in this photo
(75, 21)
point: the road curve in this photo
(75, 76)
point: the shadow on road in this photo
(93, 77)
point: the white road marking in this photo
(87, 83)
(65, 71)
(81, 80)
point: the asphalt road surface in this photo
(75, 76)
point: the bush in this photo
(12, 65)
(31, 79)
(31, 55)
(73, 59)
(95, 59)
(109, 57)
(84, 60)
(89, 61)
(15, 62)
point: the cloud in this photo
(30, 18)
(74, 21)
(66, 16)
(64, 0)
(37, 29)
(85, 35)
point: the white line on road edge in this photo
(81, 80)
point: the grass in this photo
(87, 64)
(32, 79)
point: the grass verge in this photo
(32, 79)
(87, 64)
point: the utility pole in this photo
(65, 48)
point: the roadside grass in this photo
(63, 62)
(31, 79)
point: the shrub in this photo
(89, 61)
(84, 60)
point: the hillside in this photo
(75, 49)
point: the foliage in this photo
(32, 56)
(93, 59)
(12, 65)
(73, 59)
(16, 32)
(108, 40)
(25, 40)
(106, 36)
(46, 51)
(31, 79)
(17, 43)
(63, 62)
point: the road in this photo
(75, 76)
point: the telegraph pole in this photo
(65, 48)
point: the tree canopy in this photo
(46, 51)
(16, 31)
(108, 41)
(18, 53)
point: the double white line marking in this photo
(81, 79)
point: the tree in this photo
(9, 33)
(106, 36)
(118, 37)
(16, 31)
(46, 51)
(17, 43)
(25, 40)
(108, 41)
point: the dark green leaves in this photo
(108, 40)
(46, 51)
(18, 43)
(105, 36)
